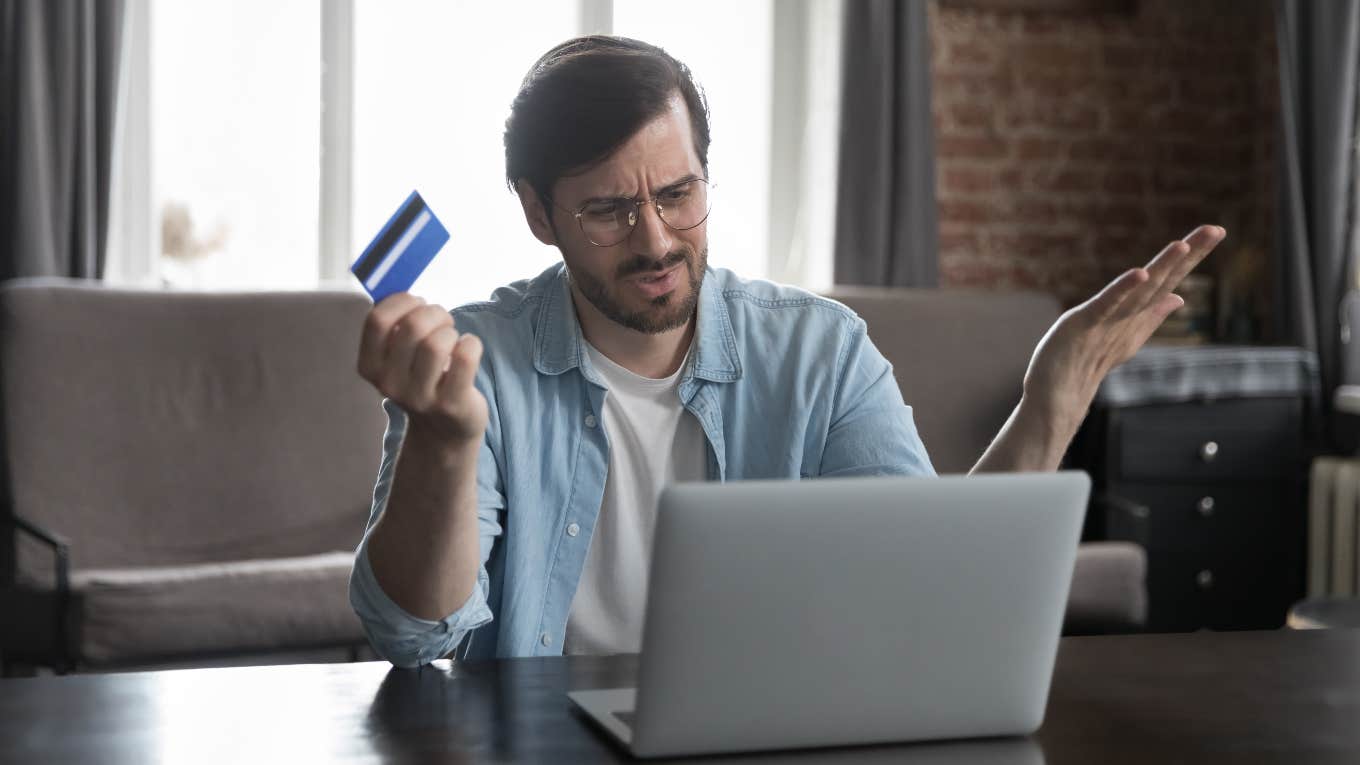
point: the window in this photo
(234, 142)
(433, 83)
(731, 61)
(234, 128)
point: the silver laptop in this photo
(789, 614)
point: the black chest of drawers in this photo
(1212, 486)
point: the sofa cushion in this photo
(959, 357)
(165, 611)
(198, 426)
(1109, 589)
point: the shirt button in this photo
(591, 421)
(573, 529)
(545, 639)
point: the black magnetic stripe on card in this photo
(390, 236)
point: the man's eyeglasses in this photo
(606, 222)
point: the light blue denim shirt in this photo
(786, 384)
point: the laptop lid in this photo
(787, 614)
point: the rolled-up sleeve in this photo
(401, 638)
(872, 431)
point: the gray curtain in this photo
(1319, 46)
(58, 82)
(887, 232)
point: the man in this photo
(529, 436)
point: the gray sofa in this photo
(960, 358)
(188, 473)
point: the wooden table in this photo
(1253, 697)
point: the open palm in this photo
(1100, 334)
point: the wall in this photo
(1072, 146)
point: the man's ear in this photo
(535, 214)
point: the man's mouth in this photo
(654, 284)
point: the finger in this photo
(1157, 270)
(464, 360)
(431, 359)
(1177, 260)
(1170, 304)
(1151, 319)
(378, 325)
(1175, 254)
(406, 336)
(1201, 241)
(1198, 244)
(1108, 300)
(1205, 236)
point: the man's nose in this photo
(650, 236)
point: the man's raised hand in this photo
(1105, 331)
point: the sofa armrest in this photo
(61, 550)
(57, 646)
(1109, 589)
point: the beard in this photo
(663, 313)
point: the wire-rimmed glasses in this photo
(682, 206)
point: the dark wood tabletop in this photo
(1249, 697)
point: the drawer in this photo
(1253, 519)
(1222, 592)
(1243, 439)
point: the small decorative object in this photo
(1240, 295)
(178, 238)
(184, 250)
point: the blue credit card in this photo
(402, 249)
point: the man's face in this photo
(649, 281)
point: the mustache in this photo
(642, 264)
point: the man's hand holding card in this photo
(410, 350)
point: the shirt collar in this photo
(559, 345)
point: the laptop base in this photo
(606, 706)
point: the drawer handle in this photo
(1205, 506)
(1205, 579)
(1208, 451)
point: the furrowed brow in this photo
(682, 180)
(686, 178)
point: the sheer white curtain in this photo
(805, 132)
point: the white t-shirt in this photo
(653, 441)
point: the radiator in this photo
(1333, 530)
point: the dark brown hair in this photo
(584, 99)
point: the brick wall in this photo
(1074, 146)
